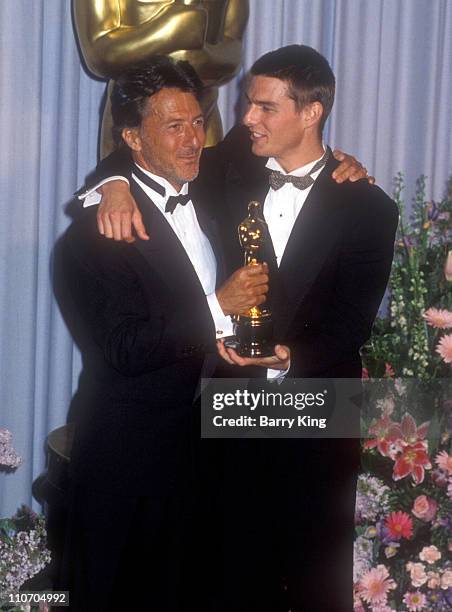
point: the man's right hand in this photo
(117, 213)
(243, 289)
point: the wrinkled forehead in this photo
(170, 101)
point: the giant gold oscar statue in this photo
(114, 34)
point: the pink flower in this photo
(375, 585)
(424, 508)
(389, 370)
(429, 554)
(415, 601)
(448, 266)
(409, 432)
(439, 318)
(444, 461)
(385, 433)
(434, 580)
(413, 460)
(439, 477)
(365, 374)
(417, 574)
(399, 525)
(446, 579)
(444, 348)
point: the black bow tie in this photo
(173, 201)
(277, 179)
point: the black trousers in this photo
(126, 552)
(287, 510)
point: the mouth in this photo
(190, 157)
(256, 136)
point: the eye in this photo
(199, 122)
(175, 127)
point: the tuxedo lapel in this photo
(163, 251)
(210, 229)
(313, 237)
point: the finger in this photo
(116, 225)
(137, 221)
(338, 155)
(357, 174)
(345, 170)
(236, 359)
(126, 228)
(255, 270)
(100, 223)
(108, 233)
(282, 352)
(371, 180)
(222, 351)
(263, 289)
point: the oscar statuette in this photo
(254, 330)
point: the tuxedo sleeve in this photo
(363, 268)
(110, 166)
(124, 319)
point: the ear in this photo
(131, 137)
(312, 114)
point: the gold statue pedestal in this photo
(254, 335)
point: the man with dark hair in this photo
(332, 253)
(329, 261)
(144, 316)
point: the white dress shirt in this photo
(282, 207)
(184, 223)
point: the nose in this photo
(194, 136)
(251, 116)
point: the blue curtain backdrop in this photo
(393, 110)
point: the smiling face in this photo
(277, 128)
(170, 138)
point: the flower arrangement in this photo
(23, 551)
(403, 518)
(410, 341)
(404, 512)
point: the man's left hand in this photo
(349, 169)
(279, 361)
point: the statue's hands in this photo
(279, 361)
(349, 169)
(117, 213)
(243, 289)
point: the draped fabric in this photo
(393, 110)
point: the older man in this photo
(144, 316)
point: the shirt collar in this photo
(272, 164)
(157, 198)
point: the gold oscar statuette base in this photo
(254, 335)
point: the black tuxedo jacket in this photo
(141, 319)
(334, 271)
